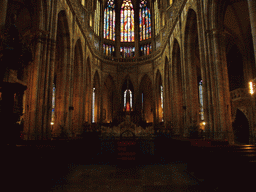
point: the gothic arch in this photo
(96, 101)
(146, 99)
(62, 72)
(159, 101)
(178, 111)
(77, 98)
(127, 83)
(167, 88)
(108, 99)
(88, 88)
(241, 128)
(192, 68)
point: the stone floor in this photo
(138, 179)
(49, 169)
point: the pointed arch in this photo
(193, 69)
(88, 87)
(77, 98)
(241, 128)
(178, 111)
(109, 20)
(61, 72)
(108, 100)
(95, 98)
(126, 86)
(159, 97)
(127, 21)
(146, 99)
(167, 89)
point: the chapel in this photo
(179, 66)
(167, 80)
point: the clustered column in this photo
(3, 10)
(252, 12)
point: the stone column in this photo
(3, 10)
(223, 106)
(252, 13)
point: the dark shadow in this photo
(241, 128)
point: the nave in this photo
(185, 166)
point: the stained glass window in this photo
(53, 104)
(128, 98)
(146, 49)
(145, 21)
(127, 52)
(201, 100)
(108, 50)
(127, 21)
(142, 100)
(93, 105)
(97, 18)
(157, 20)
(109, 20)
(162, 101)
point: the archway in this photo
(108, 100)
(167, 90)
(77, 104)
(159, 98)
(88, 91)
(146, 99)
(95, 98)
(128, 94)
(178, 110)
(241, 128)
(60, 83)
(193, 70)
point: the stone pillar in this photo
(3, 10)
(252, 13)
(223, 106)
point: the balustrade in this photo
(239, 93)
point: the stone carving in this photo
(127, 129)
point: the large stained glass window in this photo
(108, 50)
(145, 21)
(127, 21)
(157, 20)
(97, 18)
(109, 20)
(127, 52)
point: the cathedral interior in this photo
(144, 95)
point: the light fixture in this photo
(251, 90)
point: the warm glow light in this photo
(52, 123)
(203, 123)
(251, 87)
